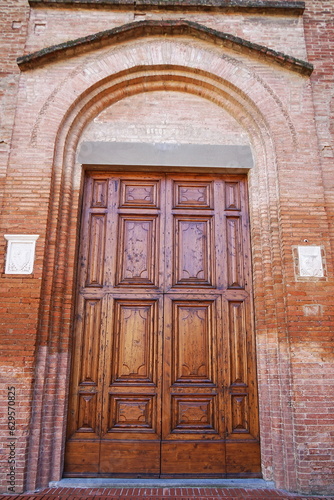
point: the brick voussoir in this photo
(155, 28)
(274, 6)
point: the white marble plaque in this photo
(310, 262)
(20, 253)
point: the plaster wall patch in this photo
(20, 253)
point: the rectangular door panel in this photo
(82, 458)
(239, 367)
(192, 194)
(193, 264)
(232, 195)
(194, 413)
(193, 458)
(129, 412)
(130, 457)
(235, 264)
(99, 192)
(136, 193)
(240, 416)
(90, 347)
(96, 246)
(238, 346)
(135, 342)
(87, 417)
(243, 459)
(137, 262)
(192, 340)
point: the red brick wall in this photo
(288, 118)
(312, 337)
(19, 298)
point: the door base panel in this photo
(243, 458)
(192, 458)
(82, 458)
(139, 457)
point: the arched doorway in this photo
(222, 90)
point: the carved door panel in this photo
(163, 377)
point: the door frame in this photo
(233, 447)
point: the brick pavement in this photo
(160, 494)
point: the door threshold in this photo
(99, 482)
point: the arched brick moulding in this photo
(105, 86)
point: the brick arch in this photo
(246, 98)
(208, 62)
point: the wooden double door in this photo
(163, 374)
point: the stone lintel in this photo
(179, 156)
